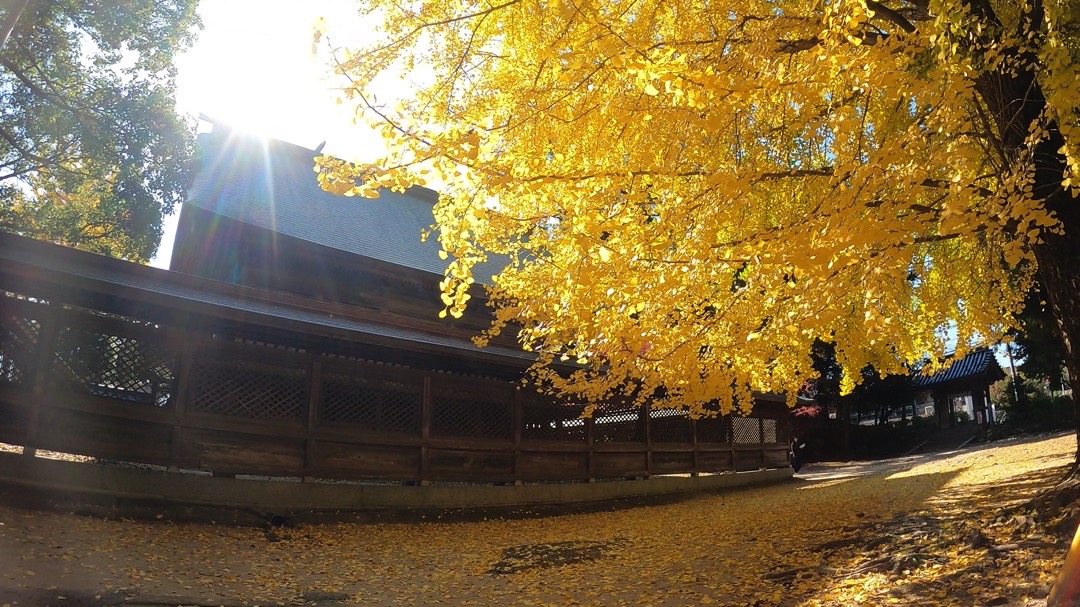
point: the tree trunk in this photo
(1059, 254)
(1057, 257)
(1015, 101)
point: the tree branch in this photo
(890, 15)
(822, 172)
(46, 95)
(14, 11)
(423, 26)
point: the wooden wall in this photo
(228, 250)
(123, 388)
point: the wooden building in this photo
(966, 383)
(256, 216)
(297, 335)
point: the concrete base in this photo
(110, 484)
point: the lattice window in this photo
(129, 369)
(457, 412)
(746, 430)
(249, 390)
(18, 340)
(372, 403)
(546, 419)
(670, 426)
(621, 425)
(771, 429)
(714, 429)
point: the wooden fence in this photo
(124, 387)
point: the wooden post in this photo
(731, 438)
(952, 412)
(180, 402)
(941, 406)
(647, 426)
(425, 428)
(761, 439)
(590, 443)
(43, 358)
(312, 418)
(518, 420)
(696, 470)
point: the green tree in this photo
(92, 153)
(1038, 340)
(1027, 407)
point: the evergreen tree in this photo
(92, 153)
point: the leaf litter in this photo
(951, 529)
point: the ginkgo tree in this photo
(689, 193)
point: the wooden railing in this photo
(123, 387)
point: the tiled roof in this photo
(978, 363)
(134, 283)
(271, 184)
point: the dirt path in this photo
(894, 532)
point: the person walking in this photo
(795, 453)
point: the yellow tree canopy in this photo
(694, 191)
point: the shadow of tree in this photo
(952, 550)
(825, 525)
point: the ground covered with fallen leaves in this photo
(944, 529)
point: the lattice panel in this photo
(546, 419)
(671, 426)
(249, 390)
(746, 430)
(18, 339)
(129, 369)
(371, 403)
(771, 430)
(618, 426)
(473, 414)
(714, 429)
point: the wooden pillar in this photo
(941, 407)
(180, 402)
(696, 470)
(518, 421)
(731, 437)
(952, 412)
(425, 428)
(43, 358)
(978, 404)
(311, 420)
(590, 444)
(761, 440)
(646, 420)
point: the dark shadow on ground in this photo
(117, 508)
(988, 526)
